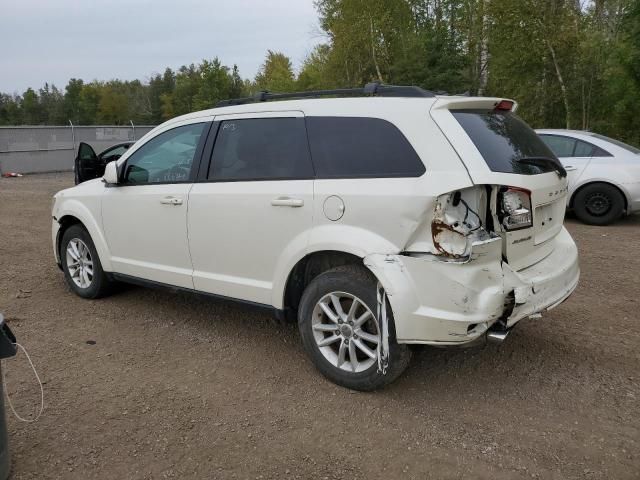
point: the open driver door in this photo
(87, 164)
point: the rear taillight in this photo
(515, 208)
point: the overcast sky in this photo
(55, 40)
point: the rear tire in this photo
(81, 264)
(332, 337)
(598, 204)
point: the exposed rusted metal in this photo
(437, 227)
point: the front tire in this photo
(81, 264)
(337, 319)
(598, 204)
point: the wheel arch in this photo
(65, 223)
(309, 267)
(604, 182)
(78, 214)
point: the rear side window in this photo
(586, 149)
(505, 141)
(360, 147)
(261, 149)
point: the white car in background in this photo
(603, 173)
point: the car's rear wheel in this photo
(340, 329)
(81, 264)
(598, 204)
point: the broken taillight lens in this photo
(515, 208)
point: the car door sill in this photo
(143, 282)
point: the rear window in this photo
(503, 139)
(618, 143)
(360, 147)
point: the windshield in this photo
(506, 143)
(617, 143)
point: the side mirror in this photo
(110, 176)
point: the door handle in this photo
(570, 168)
(171, 201)
(287, 202)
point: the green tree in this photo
(188, 84)
(365, 37)
(88, 103)
(139, 108)
(72, 94)
(10, 113)
(214, 84)
(112, 106)
(160, 85)
(617, 110)
(31, 111)
(237, 87)
(52, 105)
(276, 74)
(315, 72)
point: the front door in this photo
(254, 207)
(86, 164)
(145, 215)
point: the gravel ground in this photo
(177, 386)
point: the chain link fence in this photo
(53, 149)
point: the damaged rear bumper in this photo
(443, 302)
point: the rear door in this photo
(252, 208)
(86, 164)
(500, 150)
(574, 154)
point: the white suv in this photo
(388, 218)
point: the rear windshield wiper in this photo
(544, 162)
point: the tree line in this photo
(569, 64)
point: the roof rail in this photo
(370, 89)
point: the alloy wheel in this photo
(346, 331)
(79, 263)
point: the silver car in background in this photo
(603, 174)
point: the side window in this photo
(600, 152)
(166, 158)
(561, 146)
(261, 149)
(583, 149)
(352, 147)
(114, 153)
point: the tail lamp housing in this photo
(504, 105)
(514, 206)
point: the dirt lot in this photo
(177, 386)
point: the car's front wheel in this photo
(81, 265)
(340, 329)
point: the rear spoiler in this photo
(468, 103)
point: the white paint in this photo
(233, 239)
